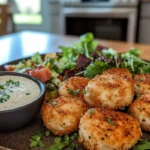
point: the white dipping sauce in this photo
(19, 92)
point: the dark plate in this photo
(20, 139)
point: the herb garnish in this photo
(1, 87)
(64, 142)
(74, 92)
(9, 82)
(91, 111)
(27, 93)
(110, 121)
(124, 108)
(59, 142)
(142, 145)
(47, 133)
(5, 90)
(36, 141)
(4, 98)
(17, 83)
(54, 103)
(84, 91)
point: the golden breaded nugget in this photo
(113, 89)
(142, 83)
(62, 115)
(104, 129)
(73, 83)
(140, 109)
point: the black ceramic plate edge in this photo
(15, 62)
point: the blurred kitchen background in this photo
(123, 20)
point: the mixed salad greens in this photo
(86, 58)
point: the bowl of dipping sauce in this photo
(21, 97)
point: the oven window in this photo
(112, 29)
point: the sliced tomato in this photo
(9, 68)
(43, 74)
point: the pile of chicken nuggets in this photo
(93, 108)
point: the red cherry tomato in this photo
(43, 74)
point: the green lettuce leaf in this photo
(95, 68)
(134, 52)
(88, 37)
(36, 58)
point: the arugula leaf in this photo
(86, 46)
(144, 69)
(95, 68)
(134, 64)
(109, 53)
(134, 52)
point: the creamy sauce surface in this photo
(16, 91)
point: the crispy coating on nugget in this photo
(140, 109)
(113, 89)
(142, 83)
(73, 83)
(103, 129)
(62, 115)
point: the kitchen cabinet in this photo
(144, 23)
(54, 13)
(144, 32)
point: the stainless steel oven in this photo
(107, 19)
(105, 28)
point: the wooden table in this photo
(26, 43)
